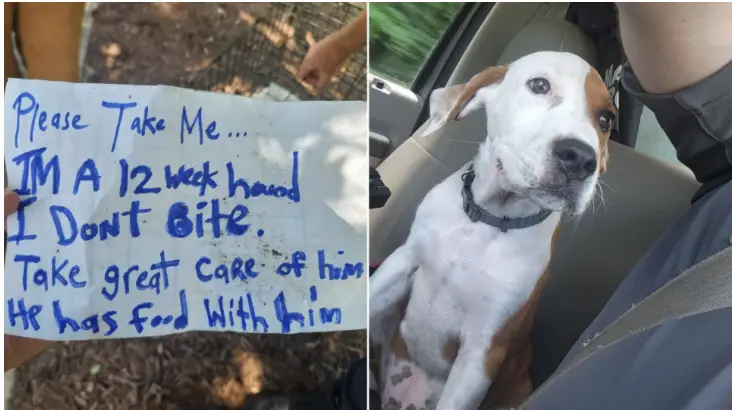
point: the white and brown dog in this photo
(464, 286)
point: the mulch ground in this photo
(154, 43)
(191, 371)
(161, 43)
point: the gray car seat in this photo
(642, 197)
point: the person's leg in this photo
(49, 36)
(11, 66)
(352, 388)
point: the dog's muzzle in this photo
(571, 164)
(576, 159)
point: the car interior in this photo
(645, 188)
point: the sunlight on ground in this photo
(310, 38)
(232, 392)
(228, 392)
(247, 17)
(165, 9)
(236, 86)
(111, 51)
(293, 69)
(195, 67)
(251, 372)
(277, 35)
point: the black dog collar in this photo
(476, 213)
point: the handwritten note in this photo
(155, 210)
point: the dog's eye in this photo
(539, 85)
(606, 120)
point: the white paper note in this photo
(156, 210)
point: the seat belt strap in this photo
(704, 287)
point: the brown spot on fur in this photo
(490, 75)
(399, 346)
(450, 350)
(598, 101)
(499, 348)
(509, 357)
(396, 343)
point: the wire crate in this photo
(266, 57)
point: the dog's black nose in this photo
(575, 158)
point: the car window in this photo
(402, 35)
(652, 141)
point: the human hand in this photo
(325, 57)
(18, 349)
(322, 61)
(12, 202)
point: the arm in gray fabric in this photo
(705, 287)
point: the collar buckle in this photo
(503, 225)
(472, 213)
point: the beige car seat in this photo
(642, 197)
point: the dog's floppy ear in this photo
(455, 102)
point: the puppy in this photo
(471, 269)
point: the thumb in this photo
(12, 202)
(304, 71)
(301, 73)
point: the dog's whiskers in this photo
(601, 182)
(576, 219)
(601, 194)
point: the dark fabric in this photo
(600, 22)
(630, 111)
(347, 393)
(595, 19)
(684, 364)
(476, 213)
(374, 400)
(354, 387)
(698, 122)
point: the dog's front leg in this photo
(388, 286)
(391, 282)
(467, 383)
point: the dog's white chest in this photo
(471, 274)
(471, 279)
(476, 267)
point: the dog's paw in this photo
(431, 402)
(392, 404)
